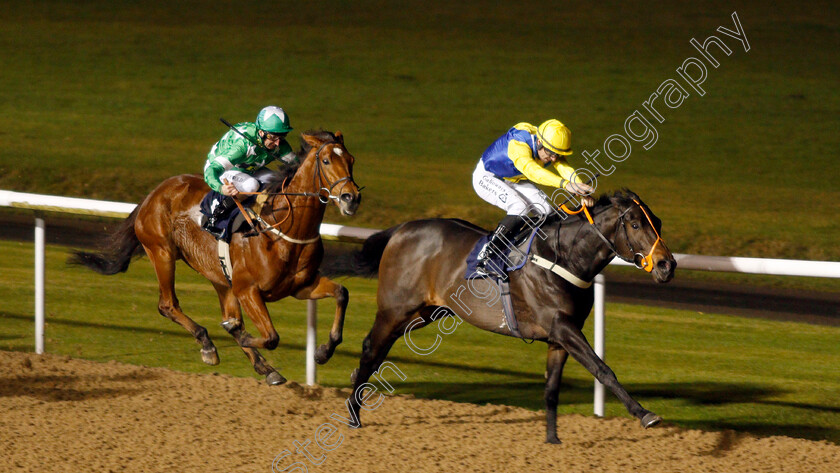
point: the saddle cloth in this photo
(231, 223)
(512, 258)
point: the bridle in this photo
(638, 259)
(319, 179)
(320, 182)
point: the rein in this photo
(318, 182)
(639, 260)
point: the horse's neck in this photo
(307, 211)
(585, 253)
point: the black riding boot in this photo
(502, 238)
(221, 211)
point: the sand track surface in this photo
(65, 415)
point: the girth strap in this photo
(224, 260)
(507, 307)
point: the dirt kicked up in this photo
(64, 415)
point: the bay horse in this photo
(266, 267)
(421, 267)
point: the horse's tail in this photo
(116, 253)
(364, 262)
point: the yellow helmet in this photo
(556, 137)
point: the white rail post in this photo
(39, 283)
(600, 319)
(311, 332)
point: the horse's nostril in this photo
(346, 197)
(664, 265)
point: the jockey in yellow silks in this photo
(509, 168)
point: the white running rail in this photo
(49, 203)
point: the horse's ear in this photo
(310, 139)
(339, 137)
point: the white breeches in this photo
(515, 198)
(244, 182)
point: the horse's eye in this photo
(635, 226)
(326, 161)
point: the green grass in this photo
(110, 98)
(697, 370)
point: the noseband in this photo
(639, 260)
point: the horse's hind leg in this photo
(557, 357)
(232, 322)
(164, 263)
(324, 287)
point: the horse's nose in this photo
(350, 198)
(665, 265)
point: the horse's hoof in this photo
(321, 355)
(353, 376)
(650, 419)
(554, 440)
(210, 356)
(274, 379)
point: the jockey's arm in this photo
(226, 159)
(212, 172)
(524, 161)
(565, 170)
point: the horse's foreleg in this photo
(164, 265)
(565, 333)
(557, 357)
(232, 322)
(254, 306)
(386, 330)
(321, 288)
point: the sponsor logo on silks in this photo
(503, 198)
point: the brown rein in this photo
(318, 180)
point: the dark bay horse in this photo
(266, 267)
(421, 267)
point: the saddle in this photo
(512, 258)
(234, 222)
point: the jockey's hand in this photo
(587, 201)
(229, 189)
(579, 188)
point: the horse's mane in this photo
(620, 198)
(286, 173)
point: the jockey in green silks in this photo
(236, 163)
